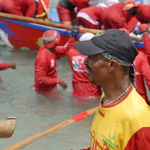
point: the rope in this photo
(31, 139)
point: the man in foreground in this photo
(122, 119)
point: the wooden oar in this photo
(33, 20)
(78, 117)
(54, 24)
(43, 22)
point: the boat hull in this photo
(26, 35)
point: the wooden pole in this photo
(33, 20)
(78, 117)
(54, 24)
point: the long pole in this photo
(31, 139)
(54, 24)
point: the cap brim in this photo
(88, 48)
(130, 7)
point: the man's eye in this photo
(90, 58)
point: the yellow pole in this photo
(78, 117)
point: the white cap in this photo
(102, 5)
(111, 2)
(106, 2)
(86, 36)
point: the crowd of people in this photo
(106, 65)
(45, 66)
(93, 14)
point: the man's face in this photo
(97, 69)
(132, 11)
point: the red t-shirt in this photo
(142, 74)
(143, 13)
(92, 15)
(19, 7)
(81, 85)
(116, 17)
(45, 70)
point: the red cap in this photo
(51, 38)
(128, 4)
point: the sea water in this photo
(36, 113)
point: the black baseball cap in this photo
(113, 41)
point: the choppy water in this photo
(36, 113)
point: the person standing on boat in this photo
(139, 10)
(90, 17)
(45, 63)
(18, 7)
(122, 118)
(67, 10)
(81, 85)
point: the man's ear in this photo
(112, 65)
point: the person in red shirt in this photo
(139, 10)
(144, 28)
(82, 87)
(45, 63)
(90, 17)
(115, 17)
(4, 66)
(142, 74)
(142, 64)
(66, 10)
(18, 7)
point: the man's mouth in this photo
(88, 70)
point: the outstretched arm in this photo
(4, 66)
